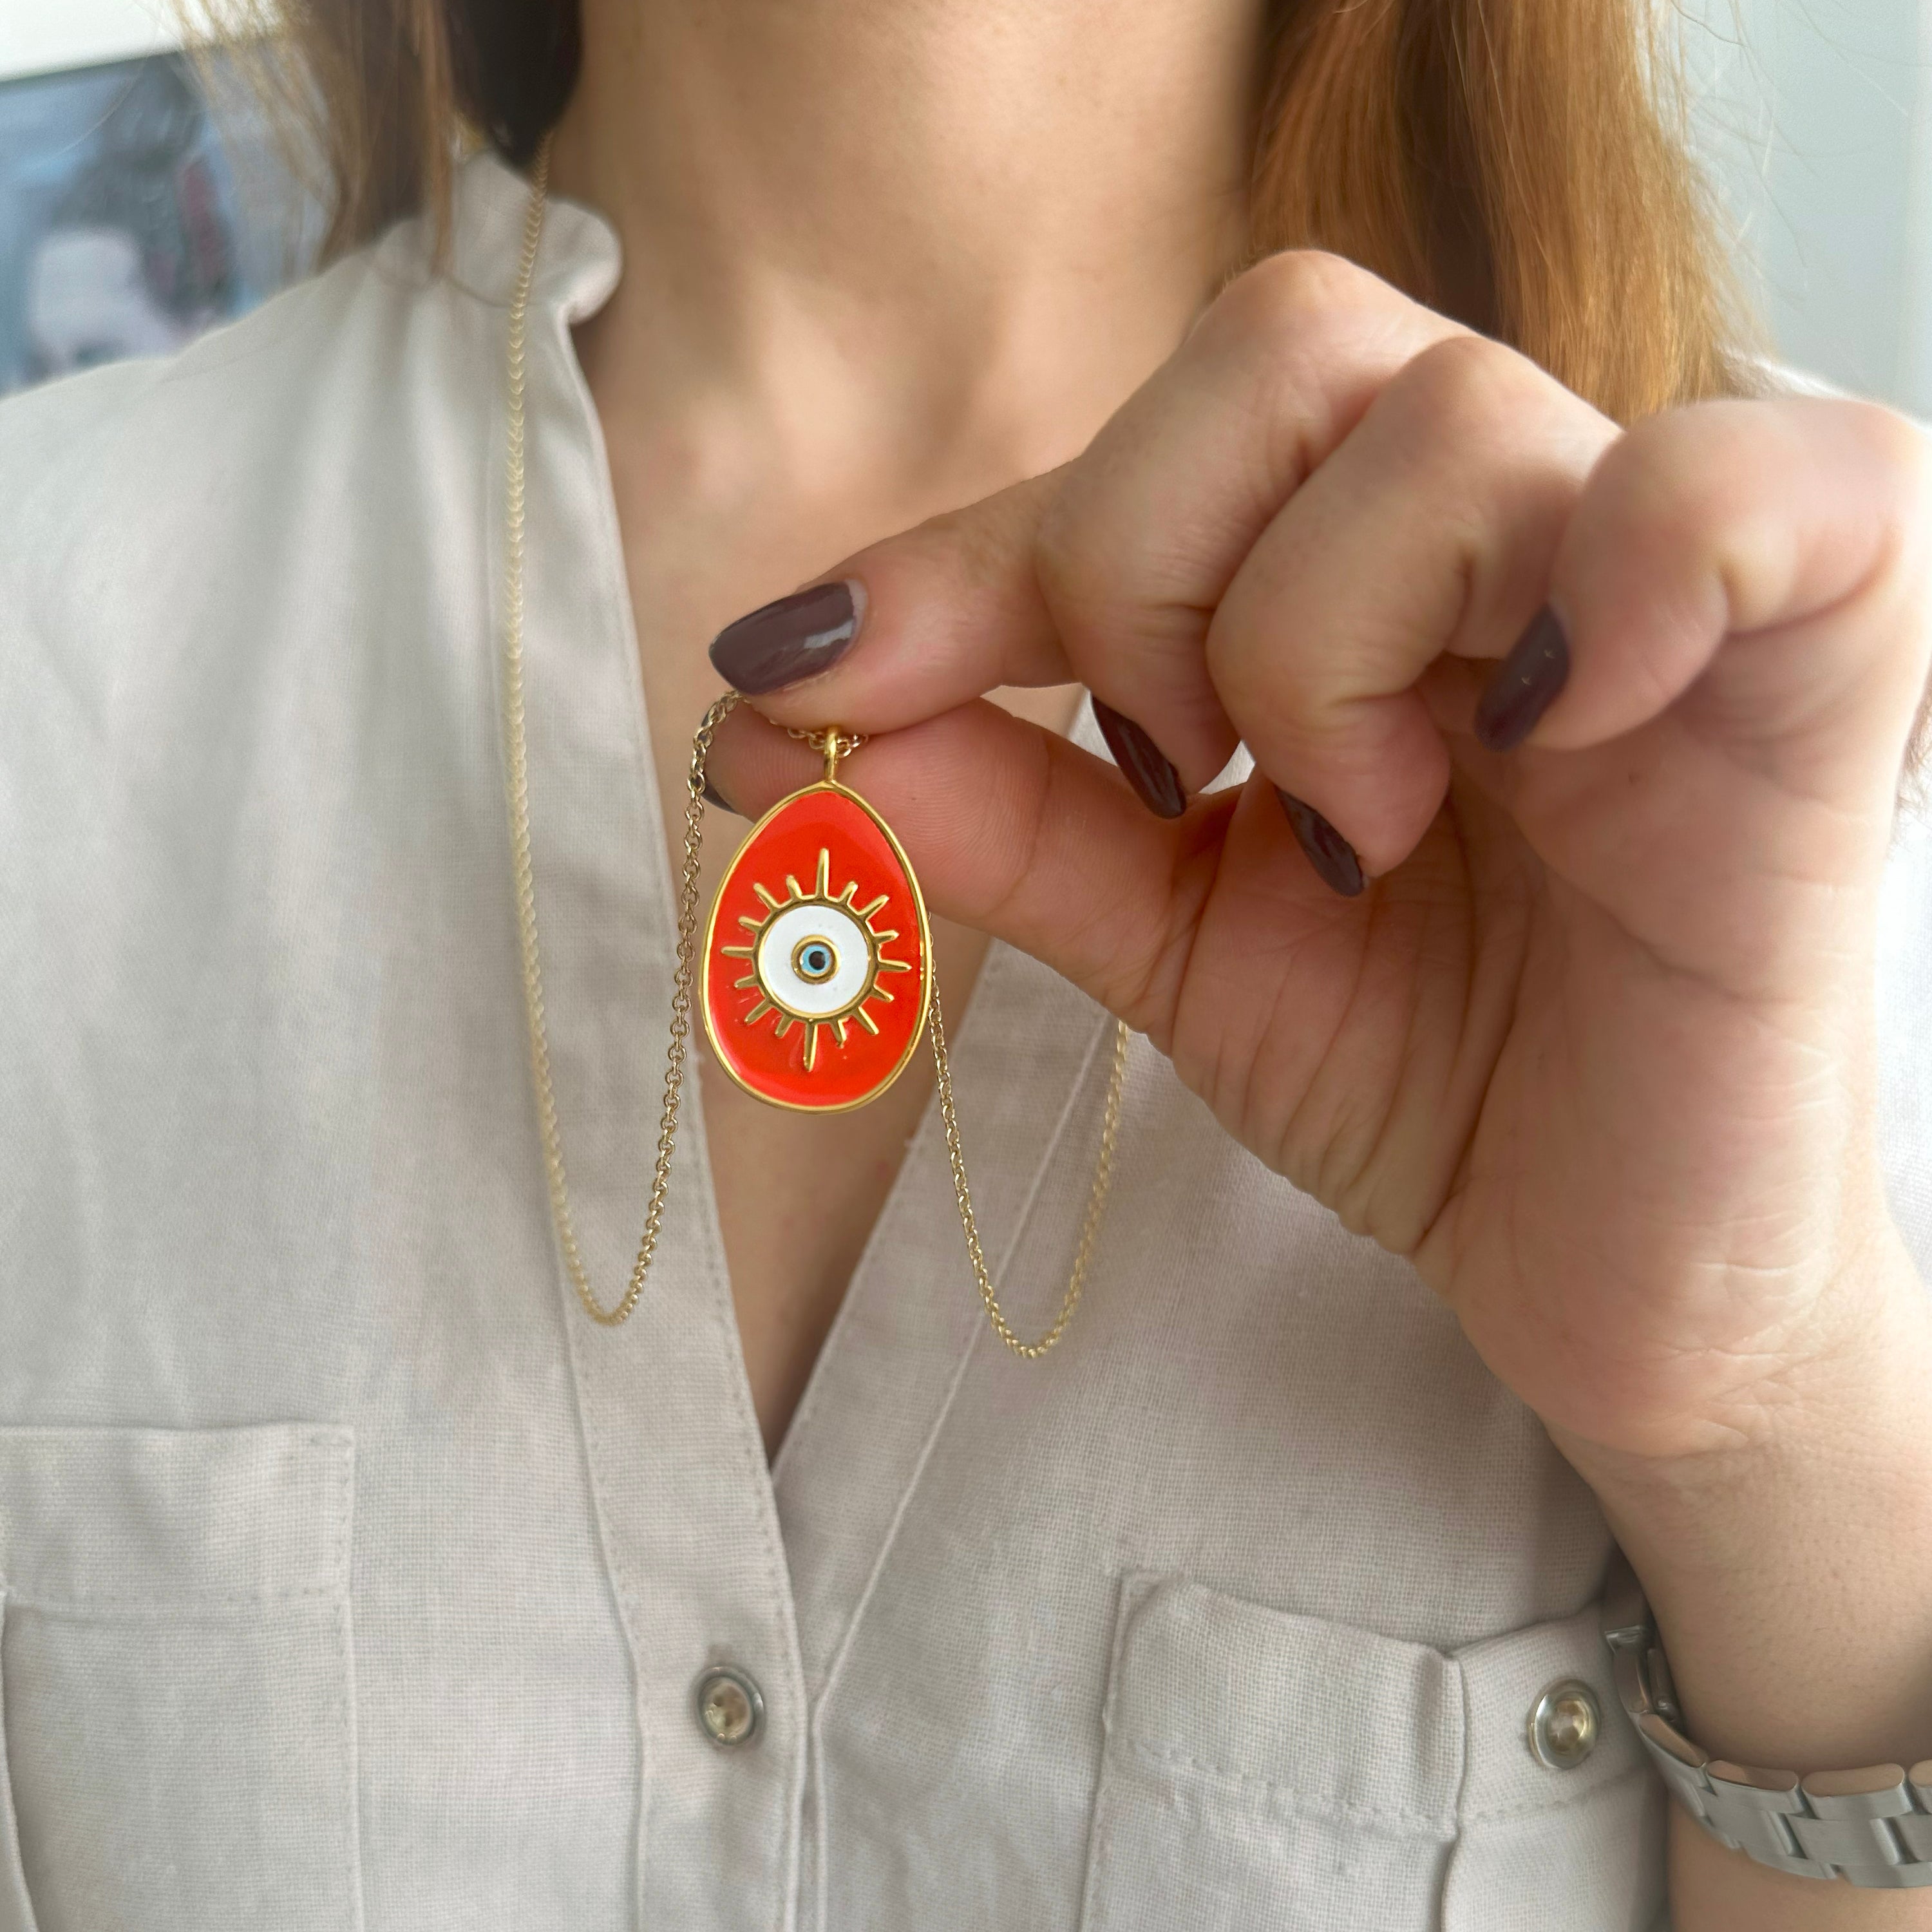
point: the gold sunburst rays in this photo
(821, 980)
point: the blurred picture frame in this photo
(141, 201)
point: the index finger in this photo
(1109, 569)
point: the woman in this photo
(1510, 1161)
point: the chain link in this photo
(835, 745)
(832, 744)
(1096, 1199)
(517, 761)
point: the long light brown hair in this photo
(1519, 164)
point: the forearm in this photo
(1792, 1584)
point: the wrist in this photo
(1791, 1577)
(1843, 1407)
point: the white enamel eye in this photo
(814, 960)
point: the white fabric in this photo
(350, 1577)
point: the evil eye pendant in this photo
(818, 958)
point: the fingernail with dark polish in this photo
(797, 636)
(714, 796)
(1142, 762)
(1328, 852)
(1526, 684)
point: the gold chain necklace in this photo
(834, 744)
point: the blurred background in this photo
(141, 199)
(131, 216)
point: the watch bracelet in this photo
(1871, 1827)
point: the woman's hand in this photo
(1594, 1045)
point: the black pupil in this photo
(817, 959)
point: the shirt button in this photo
(731, 1707)
(1563, 1725)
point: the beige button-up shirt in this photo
(350, 1578)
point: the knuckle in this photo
(973, 547)
(1071, 557)
(1276, 297)
(1890, 435)
(979, 547)
(1687, 472)
(1463, 389)
(1903, 452)
(1898, 453)
(1675, 481)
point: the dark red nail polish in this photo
(1525, 684)
(795, 638)
(1142, 762)
(1331, 855)
(714, 796)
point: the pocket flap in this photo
(1503, 1676)
(1353, 1724)
(96, 1517)
(1597, 1829)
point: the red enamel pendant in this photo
(817, 960)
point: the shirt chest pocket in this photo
(1263, 1769)
(176, 1680)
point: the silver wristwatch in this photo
(1873, 1827)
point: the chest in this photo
(351, 1575)
(797, 1193)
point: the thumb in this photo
(1014, 830)
(907, 628)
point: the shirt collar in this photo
(578, 263)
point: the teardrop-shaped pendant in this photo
(818, 958)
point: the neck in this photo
(888, 249)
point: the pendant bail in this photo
(835, 743)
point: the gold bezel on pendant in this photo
(775, 904)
